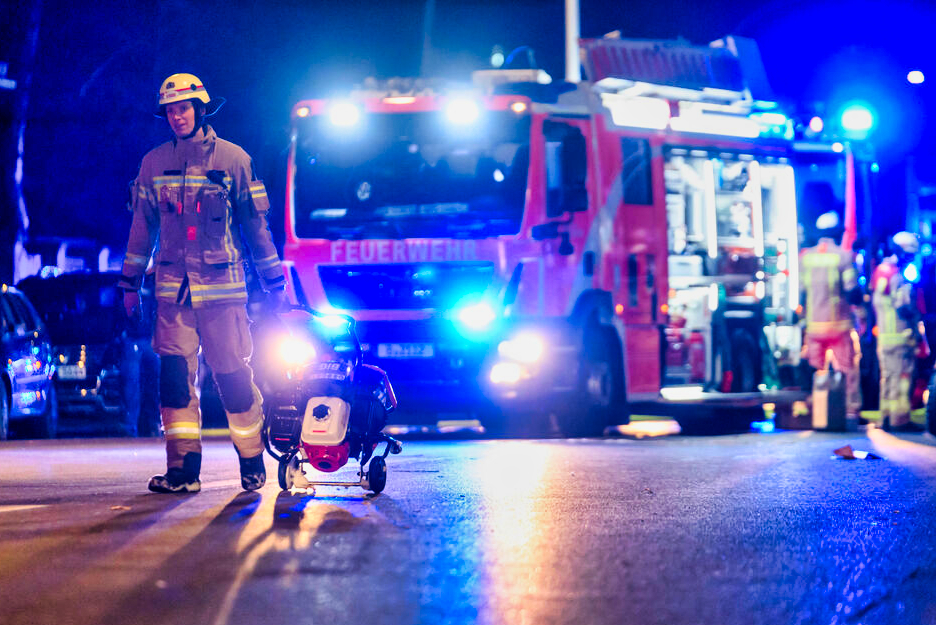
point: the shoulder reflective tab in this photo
(257, 189)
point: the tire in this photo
(287, 471)
(377, 474)
(46, 424)
(601, 383)
(4, 413)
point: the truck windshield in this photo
(402, 175)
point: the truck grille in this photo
(403, 286)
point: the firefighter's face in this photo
(181, 117)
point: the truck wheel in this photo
(601, 384)
(515, 423)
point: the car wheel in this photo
(4, 413)
(46, 424)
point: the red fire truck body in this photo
(544, 253)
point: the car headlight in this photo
(527, 348)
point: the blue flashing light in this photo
(332, 321)
(915, 77)
(462, 111)
(344, 114)
(875, 168)
(911, 273)
(764, 427)
(862, 280)
(857, 118)
(926, 249)
(477, 317)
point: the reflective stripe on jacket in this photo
(200, 200)
(827, 273)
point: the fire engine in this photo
(549, 254)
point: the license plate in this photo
(405, 350)
(71, 372)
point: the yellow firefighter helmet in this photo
(180, 87)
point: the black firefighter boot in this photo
(253, 472)
(179, 480)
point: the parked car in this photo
(27, 391)
(105, 366)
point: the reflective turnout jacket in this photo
(200, 200)
(891, 292)
(827, 273)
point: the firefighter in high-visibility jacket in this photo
(198, 196)
(829, 284)
(898, 337)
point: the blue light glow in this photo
(344, 114)
(857, 118)
(911, 273)
(477, 316)
(462, 111)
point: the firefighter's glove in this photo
(133, 305)
(277, 300)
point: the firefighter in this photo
(898, 337)
(829, 284)
(198, 195)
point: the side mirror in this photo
(565, 245)
(548, 230)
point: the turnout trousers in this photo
(845, 358)
(222, 332)
(896, 361)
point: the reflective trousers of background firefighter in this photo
(223, 333)
(896, 359)
(846, 355)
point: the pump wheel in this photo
(287, 472)
(377, 474)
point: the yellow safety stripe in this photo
(268, 263)
(253, 430)
(183, 429)
(815, 260)
(257, 190)
(136, 259)
(895, 338)
(189, 180)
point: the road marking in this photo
(17, 508)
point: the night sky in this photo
(99, 65)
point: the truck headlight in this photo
(527, 348)
(506, 373)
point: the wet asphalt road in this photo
(751, 528)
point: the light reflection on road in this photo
(512, 478)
